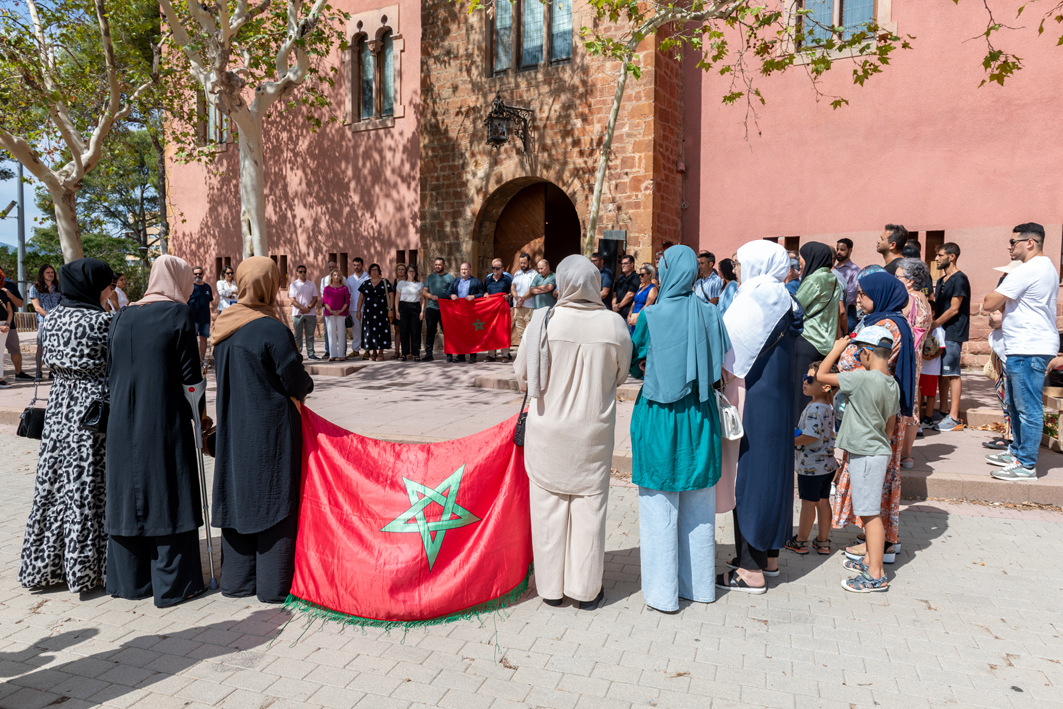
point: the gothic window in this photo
(366, 79)
(560, 30)
(387, 75)
(502, 36)
(531, 33)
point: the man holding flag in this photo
(498, 282)
(469, 288)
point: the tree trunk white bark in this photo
(252, 188)
(66, 222)
(603, 164)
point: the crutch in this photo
(194, 395)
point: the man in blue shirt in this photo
(200, 300)
(709, 285)
(607, 279)
(470, 288)
(498, 282)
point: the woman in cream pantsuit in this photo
(571, 360)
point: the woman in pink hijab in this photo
(153, 499)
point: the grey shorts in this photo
(867, 474)
(950, 359)
(12, 343)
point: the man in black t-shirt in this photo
(626, 286)
(890, 244)
(952, 311)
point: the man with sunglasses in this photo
(1028, 299)
(200, 300)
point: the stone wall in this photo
(464, 183)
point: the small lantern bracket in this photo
(500, 118)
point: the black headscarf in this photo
(82, 281)
(816, 256)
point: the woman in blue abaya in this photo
(763, 324)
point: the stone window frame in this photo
(371, 26)
(203, 133)
(883, 15)
(517, 40)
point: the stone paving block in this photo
(552, 698)
(418, 692)
(27, 698)
(375, 684)
(572, 666)
(203, 691)
(291, 688)
(336, 697)
(458, 699)
(117, 695)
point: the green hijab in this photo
(687, 338)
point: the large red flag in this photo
(471, 326)
(393, 533)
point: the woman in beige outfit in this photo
(571, 360)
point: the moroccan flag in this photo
(393, 533)
(471, 326)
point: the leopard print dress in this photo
(65, 541)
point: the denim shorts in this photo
(203, 329)
(950, 359)
(813, 488)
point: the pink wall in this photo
(919, 145)
(333, 191)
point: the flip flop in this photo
(737, 584)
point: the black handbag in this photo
(94, 420)
(522, 423)
(348, 321)
(31, 422)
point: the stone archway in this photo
(528, 215)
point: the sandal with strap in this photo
(737, 584)
(796, 546)
(863, 583)
(856, 565)
(822, 548)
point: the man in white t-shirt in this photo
(356, 279)
(1028, 298)
(303, 296)
(522, 311)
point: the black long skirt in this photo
(167, 568)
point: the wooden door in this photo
(521, 227)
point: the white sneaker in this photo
(1014, 471)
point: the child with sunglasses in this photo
(815, 464)
(870, 417)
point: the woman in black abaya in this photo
(259, 442)
(153, 495)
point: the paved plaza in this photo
(974, 618)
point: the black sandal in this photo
(737, 584)
(822, 548)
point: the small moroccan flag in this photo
(401, 534)
(471, 326)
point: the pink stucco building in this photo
(919, 145)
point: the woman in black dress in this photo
(376, 307)
(153, 498)
(261, 385)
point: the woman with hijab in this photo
(820, 295)
(261, 386)
(882, 297)
(726, 269)
(154, 507)
(571, 359)
(915, 276)
(65, 538)
(675, 435)
(764, 323)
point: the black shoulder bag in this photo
(94, 420)
(31, 422)
(522, 423)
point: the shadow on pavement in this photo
(107, 676)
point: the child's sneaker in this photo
(949, 424)
(863, 583)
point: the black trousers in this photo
(167, 568)
(749, 558)
(410, 328)
(260, 564)
(431, 322)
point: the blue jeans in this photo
(1026, 380)
(677, 536)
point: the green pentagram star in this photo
(413, 520)
(479, 324)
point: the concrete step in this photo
(628, 391)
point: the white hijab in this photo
(579, 286)
(761, 301)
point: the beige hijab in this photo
(171, 281)
(257, 279)
(579, 286)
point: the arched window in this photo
(365, 102)
(387, 78)
(503, 36)
(561, 30)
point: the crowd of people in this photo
(747, 380)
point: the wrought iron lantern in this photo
(503, 120)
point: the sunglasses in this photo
(496, 268)
(197, 274)
(1015, 241)
(809, 379)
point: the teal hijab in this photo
(687, 338)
